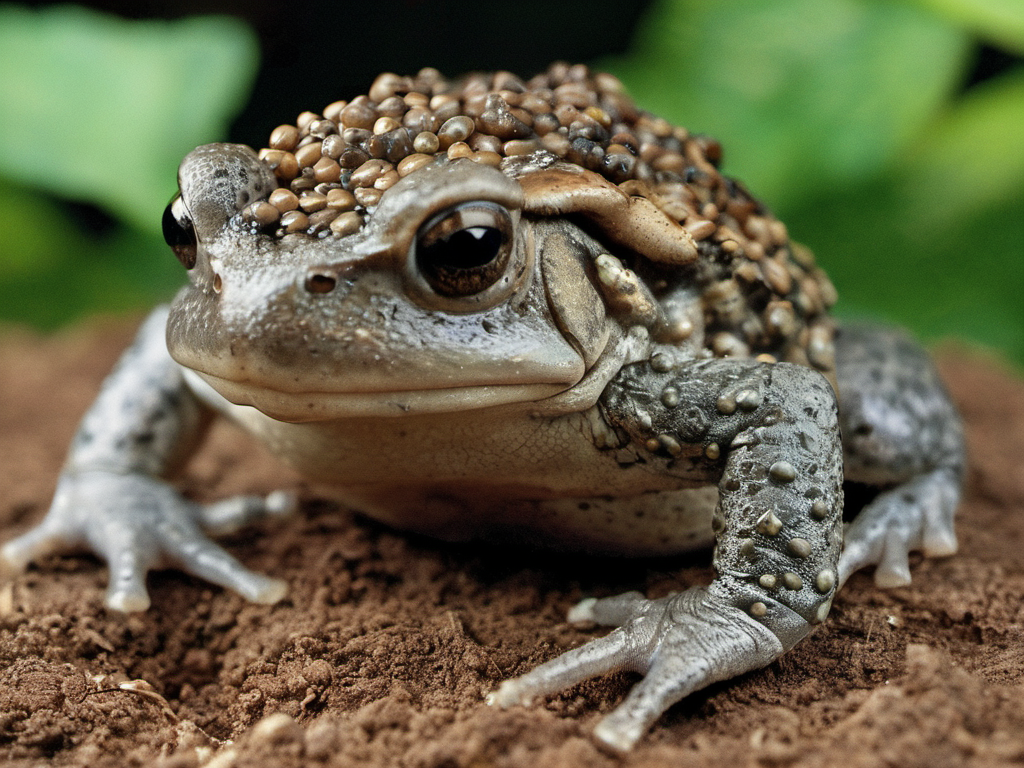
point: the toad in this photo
(526, 311)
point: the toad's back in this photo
(762, 294)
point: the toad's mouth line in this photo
(321, 406)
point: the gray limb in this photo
(769, 435)
(110, 497)
(902, 433)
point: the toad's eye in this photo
(179, 232)
(465, 250)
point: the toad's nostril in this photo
(318, 282)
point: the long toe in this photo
(612, 652)
(231, 514)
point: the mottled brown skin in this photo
(762, 294)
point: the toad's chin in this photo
(324, 406)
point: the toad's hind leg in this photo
(901, 433)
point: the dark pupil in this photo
(465, 249)
(174, 233)
(181, 239)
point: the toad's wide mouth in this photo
(323, 406)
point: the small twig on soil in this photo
(143, 689)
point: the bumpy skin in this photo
(622, 341)
(779, 521)
(902, 434)
(778, 527)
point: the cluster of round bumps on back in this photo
(763, 295)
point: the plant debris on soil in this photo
(384, 648)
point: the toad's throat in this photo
(321, 406)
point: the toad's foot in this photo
(137, 523)
(915, 515)
(680, 644)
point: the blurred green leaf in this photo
(52, 271)
(804, 94)
(971, 157)
(102, 109)
(999, 21)
(964, 281)
(937, 242)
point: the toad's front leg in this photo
(111, 497)
(770, 435)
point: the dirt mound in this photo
(386, 644)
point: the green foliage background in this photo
(98, 109)
(850, 117)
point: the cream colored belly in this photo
(498, 475)
(648, 525)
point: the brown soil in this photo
(382, 652)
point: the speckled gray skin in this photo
(111, 499)
(778, 529)
(902, 434)
(528, 401)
